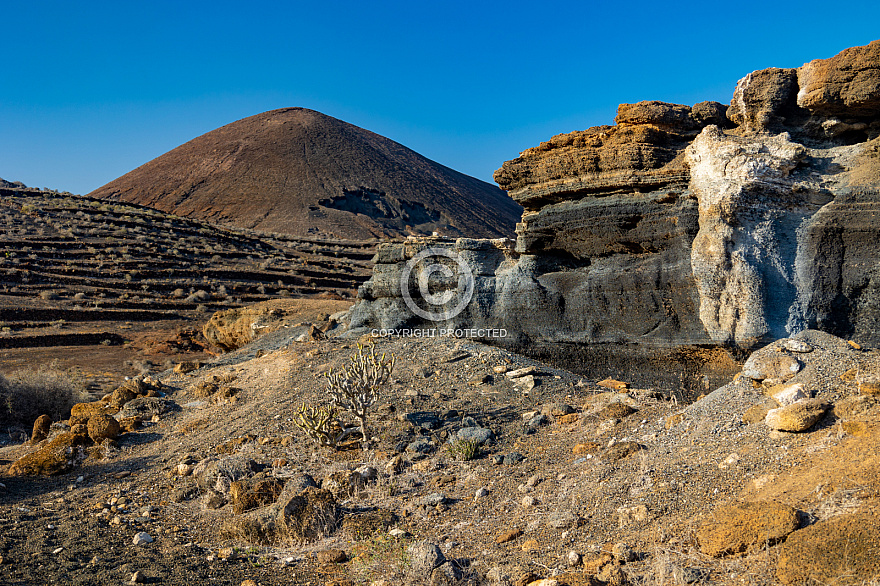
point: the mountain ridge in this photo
(297, 171)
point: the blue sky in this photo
(92, 90)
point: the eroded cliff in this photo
(680, 226)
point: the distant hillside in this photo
(301, 172)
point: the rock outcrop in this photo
(680, 226)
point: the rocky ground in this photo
(575, 481)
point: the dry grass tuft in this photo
(26, 394)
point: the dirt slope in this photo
(300, 172)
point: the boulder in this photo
(843, 550)
(41, 429)
(84, 411)
(789, 394)
(846, 85)
(424, 558)
(121, 396)
(481, 435)
(103, 426)
(745, 527)
(306, 517)
(799, 416)
(769, 364)
(63, 453)
(146, 407)
(250, 494)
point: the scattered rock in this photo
(615, 410)
(102, 426)
(41, 429)
(796, 346)
(520, 372)
(507, 536)
(632, 515)
(186, 367)
(424, 557)
(142, 538)
(770, 364)
(331, 556)
(610, 383)
(621, 450)
(799, 416)
(513, 458)
(743, 527)
(481, 435)
(789, 394)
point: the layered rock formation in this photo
(684, 226)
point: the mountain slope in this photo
(301, 172)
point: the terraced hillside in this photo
(80, 271)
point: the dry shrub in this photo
(26, 394)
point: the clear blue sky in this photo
(92, 90)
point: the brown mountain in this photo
(301, 172)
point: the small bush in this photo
(200, 295)
(27, 394)
(464, 450)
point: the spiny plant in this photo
(321, 424)
(356, 387)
